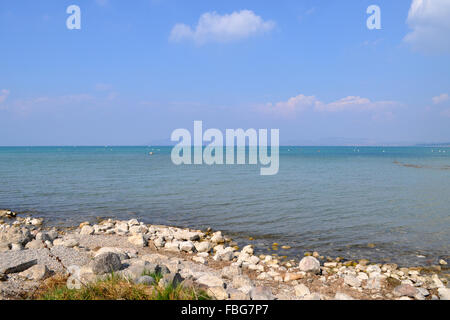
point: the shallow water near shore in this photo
(387, 204)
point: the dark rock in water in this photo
(19, 267)
(106, 263)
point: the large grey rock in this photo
(310, 264)
(119, 251)
(261, 293)
(106, 263)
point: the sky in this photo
(137, 70)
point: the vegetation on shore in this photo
(115, 287)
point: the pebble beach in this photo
(30, 253)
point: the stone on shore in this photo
(87, 230)
(204, 246)
(37, 272)
(261, 293)
(342, 296)
(352, 281)
(310, 264)
(444, 293)
(137, 240)
(210, 281)
(301, 290)
(405, 290)
(106, 263)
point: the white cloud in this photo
(430, 24)
(302, 103)
(213, 27)
(102, 3)
(441, 98)
(3, 95)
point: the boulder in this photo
(218, 293)
(310, 264)
(106, 263)
(87, 230)
(405, 290)
(138, 240)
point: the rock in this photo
(342, 296)
(159, 242)
(187, 246)
(218, 293)
(37, 272)
(174, 279)
(352, 281)
(230, 272)
(237, 295)
(248, 250)
(137, 240)
(210, 281)
(70, 243)
(261, 293)
(87, 230)
(444, 293)
(240, 281)
(7, 214)
(16, 268)
(16, 247)
(442, 262)
(106, 263)
(313, 296)
(294, 276)
(217, 237)
(120, 252)
(199, 260)
(310, 264)
(122, 228)
(373, 283)
(204, 246)
(34, 244)
(405, 290)
(373, 268)
(423, 291)
(172, 246)
(301, 290)
(147, 280)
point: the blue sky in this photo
(138, 70)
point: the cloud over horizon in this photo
(430, 24)
(441, 98)
(302, 103)
(213, 27)
(4, 93)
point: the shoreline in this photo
(207, 259)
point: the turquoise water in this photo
(335, 201)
